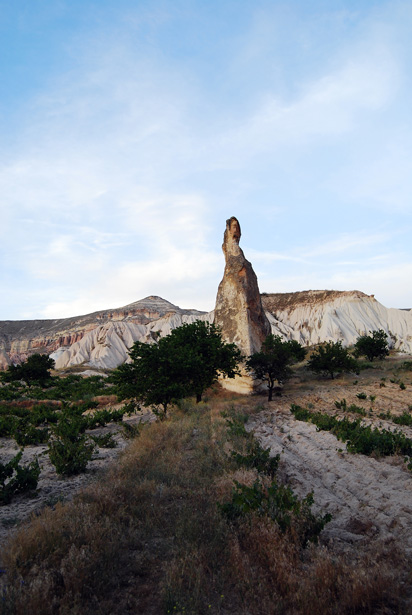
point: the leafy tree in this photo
(207, 356)
(331, 359)
(183, 363)
(374, 346)
(35, 369)
(273, 361)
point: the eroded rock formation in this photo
(239, 312)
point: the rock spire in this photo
(239, 312)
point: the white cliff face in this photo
(310, 317)
(107, 346)
(313, 318)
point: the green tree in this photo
(374, 346)
(183, 363)
(206, 355)
(35, 369)
(331, 359)
(273, 361)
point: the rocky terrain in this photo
(101, 339)
(316, 316)
(21, 338)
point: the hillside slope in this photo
(102, 339)
(316, 316)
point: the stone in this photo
(239, 312)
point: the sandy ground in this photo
(369, 499)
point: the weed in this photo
(357, 409)
(361, 395)
(341, 405)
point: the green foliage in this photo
(25, 433)
(73, 388)
(183, 363)
(206, 356)
(257, 458)
(361, 395)
(280, 504)
(341, 405)
(359, 438)
(131, 431)
(70, 448)
(35, 369)
(402, 386)
(331, 359)
(404, 419)
(276, 501)
(104, 440)
(15, 478)
(100, 418)
(273, 361)
(373, 346)
(69, 388)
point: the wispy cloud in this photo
(117, 179)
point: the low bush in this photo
(15, 478)
(278, 503)
(70, 449)
(404, 419)
(359, 438)
(104, 441)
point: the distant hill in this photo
(101, 339)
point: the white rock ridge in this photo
(310, 317)
(107, 346)
(316, 316)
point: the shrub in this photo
(70, 449)
(15, 478)
(104, 441)
(35, 369)
(359, 438)
(257, 458)
(374, 346)
(331, 359)
(404, 419)
(25, 433)
(278, 503)
(272, 363)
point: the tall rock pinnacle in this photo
(239, 312)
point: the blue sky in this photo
(130, 131)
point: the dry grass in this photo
(149, 538)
